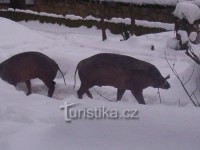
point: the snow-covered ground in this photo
(142, 2)
(36, 121)
(158, 2)
(154, 2)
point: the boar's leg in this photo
(81, 91)
(28, 85)
(51, 87)
(139, 96)
(84, 89)
(120, 93)
(89, 94)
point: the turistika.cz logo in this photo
(98, 113)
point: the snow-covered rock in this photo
(193, 36)
(184, 36)
(173, 43)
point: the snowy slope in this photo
(36, 121)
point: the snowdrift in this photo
(36, 121)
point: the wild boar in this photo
(30, 65)
(120, 71)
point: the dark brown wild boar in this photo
(30, 65)
(120, 71)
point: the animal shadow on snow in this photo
(108, 93)
(61, 92)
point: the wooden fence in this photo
(115, 28)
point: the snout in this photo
(166, 85)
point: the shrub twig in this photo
(183, 85)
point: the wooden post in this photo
(132, 19)
(20, 4)
(102, 16)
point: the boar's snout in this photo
(166, 84)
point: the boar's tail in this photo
(75, 75)
(62, 75)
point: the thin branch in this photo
(190, 75)
(159, 96)
(190, 52)
(195, 89)
(196, 100)
(194, 93)
(101, 95)
(174, 64)
(177, 76)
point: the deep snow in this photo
(36, 122)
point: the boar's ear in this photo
(167, 77)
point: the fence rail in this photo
(115, 28)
